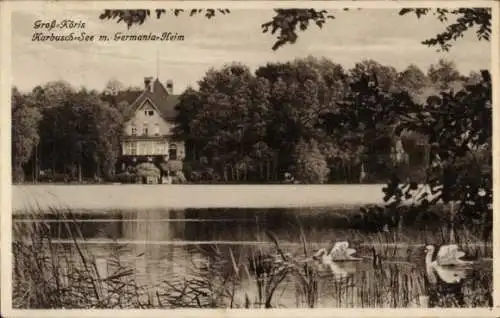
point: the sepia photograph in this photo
(250, 157)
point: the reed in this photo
(48, 274)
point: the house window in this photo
(159, 148)
(172, 152)
(151, 112)
(143, 149)
(149, 148)
(145, 129)
(133, 148)
(133, 130)
(157, 129)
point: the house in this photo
(147, 135)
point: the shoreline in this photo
(102, 197)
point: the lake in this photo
(226, 257)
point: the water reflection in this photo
(167, 248)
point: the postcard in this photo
(229, 158)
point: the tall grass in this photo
(51, 275)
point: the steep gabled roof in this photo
(128, 96)
(161, 99)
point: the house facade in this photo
(147, 135)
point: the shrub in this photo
(147, 169)
(125, 177)
(174, 166)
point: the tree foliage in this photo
(287, 22)
(444, 75)
(138, 16)
(25, 120)
(458, 127)
(243, 125)
(78, 134)
(464, 20)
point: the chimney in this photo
(147, 83)
(170, 87)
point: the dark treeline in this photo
(310, 119)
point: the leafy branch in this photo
(467, 18)
(287, 22)
(131, 17)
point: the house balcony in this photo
(145, 137)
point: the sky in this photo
(379, 34)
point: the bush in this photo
(174, 166)
(17, 174)
(125, 177)
(179, 178)
(147, 169)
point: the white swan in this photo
(448, 264)
(339, 253)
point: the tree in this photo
(412, 80)
(109, 127)
(444, 75)
(387, 76)
(302, 93)
(94, 129)
(225, 118)
(117, 96)
(310, 165)
(287, 22)
(474, 78)
(54, 93)
(113, 87)
(188, 107)
(79, 132)
(50, 99)
(458, 126)
(25, 119)
(365, 123)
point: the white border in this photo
(5, 166)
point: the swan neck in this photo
(428, 259)
(429, 267)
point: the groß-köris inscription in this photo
(73, 31)
(54, 24)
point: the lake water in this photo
(225, 258)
